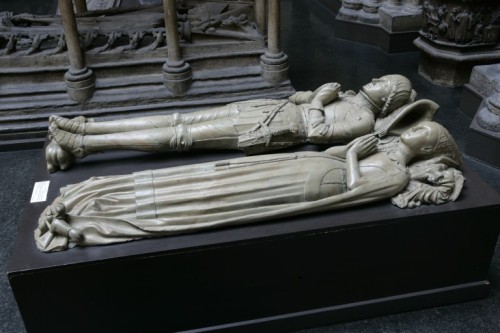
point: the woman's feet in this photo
(54, 233)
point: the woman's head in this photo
(429, 140)
(433, 177)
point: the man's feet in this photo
(76, 125)
(71, 143)
(57, 158)
(67, 142)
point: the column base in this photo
(274, 67)
(80, 84)
(177, 77)
(369, 14)
(350, 10)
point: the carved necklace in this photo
(391, 148)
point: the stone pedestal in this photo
(455, 37)
(389, 24)
(481, 100)
(484, 81)
(400, 18)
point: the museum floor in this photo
(316, 57)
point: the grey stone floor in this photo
(316, 57)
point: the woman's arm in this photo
(359, 149)
(338, 151)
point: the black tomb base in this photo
(375, 35)
(278, 276)
(483, 145)
(471, 100)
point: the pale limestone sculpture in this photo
(325, 116)
(417, 167)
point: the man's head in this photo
(388, 92)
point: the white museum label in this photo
(40, 191)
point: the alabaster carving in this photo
(419, 166)
(325, 116)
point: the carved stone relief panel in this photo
(461, 23)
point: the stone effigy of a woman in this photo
(325, 116)
(419, 166)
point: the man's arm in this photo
(344, 129)
(325, 93)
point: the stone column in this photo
(81, 6)
(260, 15)
(80, 80)
(274, 62)
(177, 74)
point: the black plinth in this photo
(483, 145)
(375, 35)
(268, 277)
(471, 100)
(332, 5)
